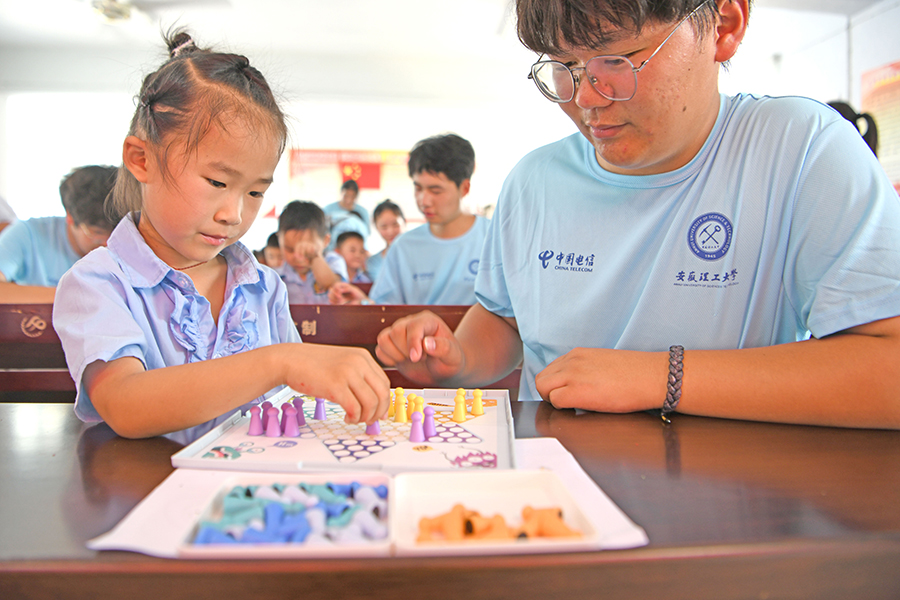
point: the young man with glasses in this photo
(34, 253)
(724, 256)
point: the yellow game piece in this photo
(459, 411)
(410, 405)
(391, 405)
(477, 405)
(400, 415)
(420, 406)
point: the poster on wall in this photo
(881, 99)
(317, 175)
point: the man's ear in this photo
(730, 27)
(135, 158)
(464, 188)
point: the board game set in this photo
(438, 476)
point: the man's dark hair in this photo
(83, 192)
(547, 26)
(351, 185)
(300, 215)
(448, 154)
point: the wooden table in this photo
(732, 510)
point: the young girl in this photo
(388, 219)
(174, 325)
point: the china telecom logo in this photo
(709, 236)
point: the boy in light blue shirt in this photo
(435, 263)
(308, 270)
(34, 253)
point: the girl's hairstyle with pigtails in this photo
(194, 90)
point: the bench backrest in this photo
(32, 360)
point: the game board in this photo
(479, 442)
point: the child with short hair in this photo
(174, 325)
(272, 252)
(389, 222)
(308, 270)
(352, 247)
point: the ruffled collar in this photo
(144, 269)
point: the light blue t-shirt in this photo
(306, 291)
(374, 264)
(36, 251)
(423, 269)
(342, 220)
(124, 301)
(784, 224)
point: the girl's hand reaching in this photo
(348, 376)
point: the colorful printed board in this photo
(471, 441)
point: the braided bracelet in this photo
(673, 385)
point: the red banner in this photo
(366, 175)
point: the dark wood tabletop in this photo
(732, 509)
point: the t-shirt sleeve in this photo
(93, 320)
(844, 244)
(15, 242)
(337, 264)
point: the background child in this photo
(34, 253)
(174, 325)
(348, 208)
(389, 221)
(352, 247)
(308, 270)
(272, 252)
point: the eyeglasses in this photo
(614, 77)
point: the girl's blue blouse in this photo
(123, 300)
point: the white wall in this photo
(875, 42)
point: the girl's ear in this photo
(135, 158)
(730, 28)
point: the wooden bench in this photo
(33, 366)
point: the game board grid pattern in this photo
(347, 445)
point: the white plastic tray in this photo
(418, 495)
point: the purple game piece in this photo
(265, 413)
(273, 427)
(416, 432)
(320, 410)
(289, 421)
(256, 427)
(428, 425)
(301, 418)
(373, 429)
